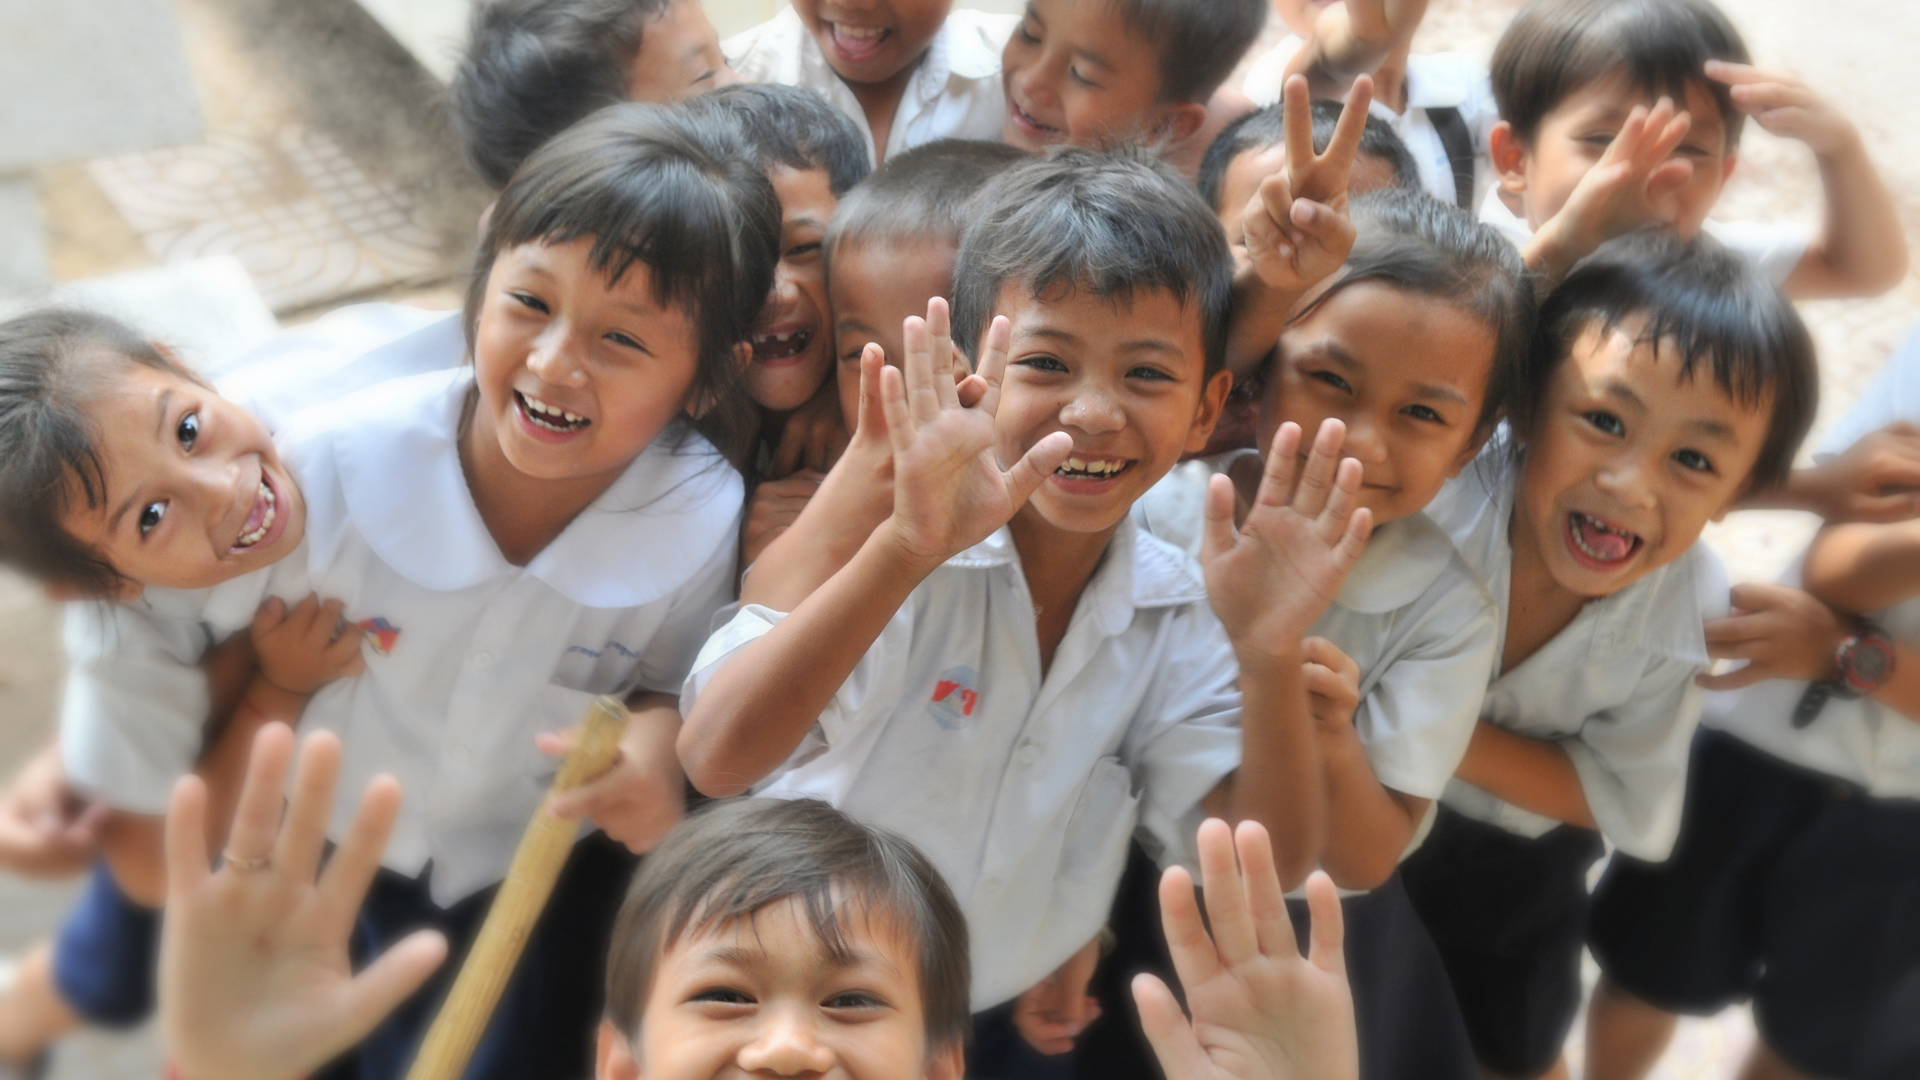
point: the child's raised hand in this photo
(949, 489)
(46, 829)
(255, 981)
(306, 647)
(1785, 106)
(1052, 1014)
(1782, 632)
(1877, 479)
(642, 796)
(1296, 227)
(1333, 683)
(1624, 191)
(1260, 1010)
(1272, 578)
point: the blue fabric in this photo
(105, 957)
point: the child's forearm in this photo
(1858, 568)
(762, 702)
(1531, 774)
(1259, 315)
(1862, 247)
(1368, 824)
(1279, 781)
(132, 846)
(852, 501)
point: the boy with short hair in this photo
(762, 936)
(533, 68)
(1097, 72)
(908, 72)
(1584, 151)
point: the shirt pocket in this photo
(1094, 844)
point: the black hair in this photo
(926, 192)
(738, 857)
(1200, 42)
(1110, 223)
(534, 68)
(1411, 241)
(1267, 127)
(686, 198)
(1706, 303)
(1552, 48)
(50, 364)
(792, 126)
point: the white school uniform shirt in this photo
(1433, 81)
(954, 93)
(1412, 614)
(1614, 689)
(468, 657)
(1774, 250)
(1024, 790)
(133, 717)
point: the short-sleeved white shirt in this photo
(468, 657)
(134, 714)
(1774, 250)
(955, 93)
(1433, 81)
(1614, 689)
(1894, 395)
(1022, 789)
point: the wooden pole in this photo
(536, 867)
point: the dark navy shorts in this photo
(105, 956)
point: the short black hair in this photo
(737, 857)
(1110, 223)
(1552, 48)
(1712, 307)
(1200, 42)
(1267, 127)
(926, 192)
(1411, 241)
(51, 363)
(534, 68)
(792, 126)
(685, 197)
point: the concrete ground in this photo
(267, 66)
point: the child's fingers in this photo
(893, 401)
(1667, 177)
(325, 625)
(872, 403)
(1266, 903)
(1037, 464)
(384, 984)
(1297, 114)
(1323, 461)
(1328, 951)
(1323, 225)
(1192, 952)
(1167, 1030)
(300, 619)
(350, 869)
(992, 369)
(1262, 224)
(1342, 497)
(1227, 912)
(1277, 478)
(186, 838)
(1345, 143)
(256, 818)
(923, 401)
(1723, 71)
(271, 614)
(940, 351)
(1737, 679)
(297, 854)
(1328, 655)
(1220, 533)
(1354, 543)
(344, 651)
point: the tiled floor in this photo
(305, 102)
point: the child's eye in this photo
(802, 250)
(1151, 373)
(1026, 36)
(723, 995)
(188, 431)
(150, 517)
(1074, 74)
(1607, 422)
(619, 338)
(1042, 363)
(531, 301)
(1333, 380)
(1694, 460)
(1425, 412)
(853, 999)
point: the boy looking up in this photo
(907, 71)
(1617, 115)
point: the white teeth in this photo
(862, 33)
(249, 539)
(542, 413)
(1091, 468)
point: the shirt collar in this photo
(1139, 571)
(396, 452)
(1494, 212)
(1402, 560)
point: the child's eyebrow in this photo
(1439, 392)
(1622, 392)
(1711, 429)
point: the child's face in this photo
(1572, 138)
(764, 998)
(1629, 462)
(679, 57)
(792, 348)
(1127, 381)
(1076, 73)
(576, 375)
(1247, 171)
(1407, 374)
(1299, 15)
(195, 493)
(875, 287)
(871, 41)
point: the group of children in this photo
(997, 447)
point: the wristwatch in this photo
(1862, 664)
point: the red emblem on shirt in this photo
(380, 633)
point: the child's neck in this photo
(1057, 565)
(522, 514)
(1538, 607)
(881, 100)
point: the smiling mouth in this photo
(1600, 542)
(260, 519)
(1079, 468)
(857, 43)
(549, 417)
(1026, 119)
(770, 348)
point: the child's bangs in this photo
(830, 908)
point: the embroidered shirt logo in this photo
(380, 634)
(954, 696)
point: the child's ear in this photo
(1181, 122)
(613, 1059)
(946, 1063)
(1213, 399)
(1509, 157)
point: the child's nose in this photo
(553, 358)
(1627, 480)
(784, 294)
(787, 1045)
(1094, 413)
(1363, 442)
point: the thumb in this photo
(388, 981)
(271, 615)
(1037, 464)
(1180, 1055)
(1668, 177)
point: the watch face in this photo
(1869, 662)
